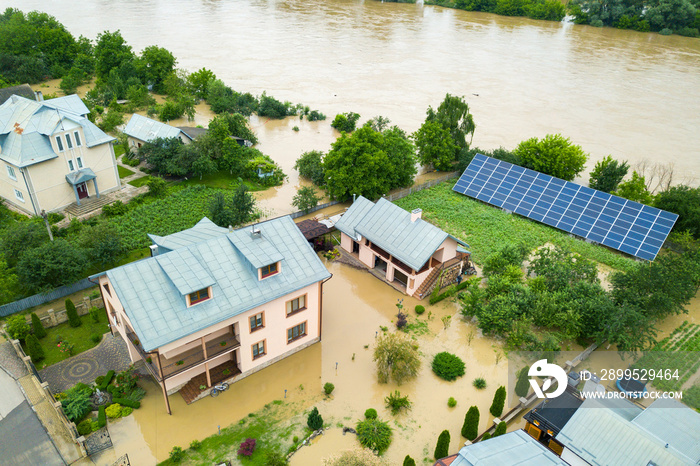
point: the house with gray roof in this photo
(141, 130)
(53, 155)
(401, 247)
(215, 305)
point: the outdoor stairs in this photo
(190, 391)
(88, 205)
(427, 286)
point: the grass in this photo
(124, 172)
(223, 180)
(488, 229)
(118, 150)
(79, 337)
(138, 182)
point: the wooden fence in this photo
(42, 298)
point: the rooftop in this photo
(512, 449)
(145, 129)
(23, 90)
(553, 413)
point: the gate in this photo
(98, 441)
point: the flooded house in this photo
(401, 247)
(141, 129)
(53, 155)
(215, 305)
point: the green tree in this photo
(397, 358)
(154, 66)
(607, 174)
(448, 366)
(234, 211)
(553, 155)
(72, 313)
(671, 14)
(453, 115)
(499, 401)
(442, 449)
(402, 159)
(159, 152)
(345, 122)
(310, 165)
(8, 284)
(500, 429)
(71, 81)
(17, 327)
(314, 419)
(522, 385)
(374, 434)
(198, 82)
(34, 349)
(232, 124)
(684, 201)
(560, 268)
(110, 120)
(435, 146)
(111, 51)
(408, 461)
(39, 330)
(635, 189)
(470, 428)
(157, 187)
(50, 265)
(305, 199)
(270, 107)
(103, 243)
(21, 237)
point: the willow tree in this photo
(397, 358)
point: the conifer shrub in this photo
(328, 388)
(374, 434)
(113, 411)
(470, 428)
(314, 420)
(443, 445)
(500, 429)
(34, 348)
(522, 386)
(448, 366)
(101, 417)
(486, 436)
(39, 330)
(408, 461)
(499, 402)
(371, 413)
(451, 402)
(72, 313)
(420, 309)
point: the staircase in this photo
(190, 391)
(88, 205)
(428, 284)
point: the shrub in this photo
(39, 330)
(479, 383)
(314, 420)
(98, 380)
(396, 402)
(116, 208)
(443, 445)
(101, 417)
(328, 388)
(401, 320)
(72, 313)
(34, 348)
(195, 444)
(470, 428)
(95, 314)
(114, 411)
(371, 413)
(126, 411)
(420, 309)
(522, 386)
(85, 427)
(127, 402)
(76, 404)
(275, 458)
(176, 454)
(247, 447)
(96, 337)
(451, 402)
(106, 380)
(408, 461)
(500, 429)
(447, 366)
(17, 327)
(397, 358)
(499, 401)
(345, 122)
(157, 187)
(486, 436)
(374, 434)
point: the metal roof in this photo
(204, 229)
(80, 176)
(23, 90)
(603, 436)
(512, 449)
(69, 103)
(353, 216)
(675, 424)
(152, 296)
(145, 129)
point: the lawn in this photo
(223, 180)
(138, 182)
(487, 229)
(118, 150)
(124, 172)
(79, 337)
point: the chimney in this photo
(39, 96)
(416, 214)
(255, 232)
(230, 228)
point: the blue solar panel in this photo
(627, 226)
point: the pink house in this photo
(405, 249)
(213, 305)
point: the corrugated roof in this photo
(157, 309)
(601, 434)
(204, 229)
(673, 423)
(185, 271)
(145, 129)
(511, 449)
(70, 103)
(257, 248)
(353, 216)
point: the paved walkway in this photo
(11, 362)
(110, 354)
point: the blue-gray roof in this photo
(675, 424)
(204, 229)
(151, 290)
(26, 127)
(390, 227)
(145, 129)
(512, 449)
(80, 176)
(70, 103)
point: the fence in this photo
(420, 187)
(42, 298)
(54, 317)
(313, 209)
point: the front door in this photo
(82, 190)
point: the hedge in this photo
(102, 417)
(106, 380)
(127, 402)
(451, 291)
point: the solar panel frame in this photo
(633, 228)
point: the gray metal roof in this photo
(390, 227)
(257, 248)
(154, 302)
(673, 423)
(601, 434)
(23, 90)
(26, 127)
(145, 129)
(204, 229)
(80, 176)
(70, 103)
(511, 449)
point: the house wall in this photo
(345, 242)
(8, 186)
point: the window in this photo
(199, 296)
(268, 270)
(296, 332)
(11, 172)
(106, 287)
(19, 195)
(59, 143)
(258, 349)
(80, 162)
(257, 322)
(70, 165)
(296, 305)
(69, 142)
(77, 139)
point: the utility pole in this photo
(45, 216)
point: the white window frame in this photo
(79, 161)
(70, 165)
(69, 141)
(59, 143)
(11, 173)
(19, 195)
(78, 142)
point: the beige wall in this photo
(8, 186)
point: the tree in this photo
(39, 330)
(374, 434)
(397, 358)
(159, 152)
(355, 457)
(34, 349)
(234, 211)
(314, 420)
(448, 366)
(608, 174)
(8, 284)
(103, 243)
(22, 237)
(500, 429)
(71, 81)
(402, 159)
(561, 269)
(499, 401)
(50, 265)
(470, 428)
(270, 107)
(684, 201)
(198, 82)
(442, 449)
(345, 122)
(232, 124)
(671, 14)
(111, 51)
(553, 155)
(310, 165)
(17, 327)
(408, 461)
(154, 65)
(522, 386)
(378, 123)
(305, 199)
(110, 120)
(435, 146)
(453, 115)
(157, 187)
(635, 189)
(72, 313)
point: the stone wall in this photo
(53, 317)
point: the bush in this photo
(39, 330)
(176, 454)
(157, 187)
(328, 388)
(420, 309)
(401, 320)
(500, 429)
(126, 411)
(522, 386)
(101, 417)
(397, 358)
(470, 428)
(114, 411)
(371, 413)
(98, 380)
(72, 313)
(345, 122)
(95, 314)
(486, 436)
(479, 383)
(408, 461)
(115, 209)
(374, 434)
(195, 444)
(76, 403)
(34, 348)
(106, 380)
(85, 427)
(447, 366)
(499, 401)
(314, 420)
(95, 337)
(127, 402)
(17, 327)
(396, 402)
(442, 449)
(451, 402)
(247, 447)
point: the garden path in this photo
(110, 354)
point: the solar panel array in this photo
(627, 226)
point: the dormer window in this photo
(268, 270)
(198, 296)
